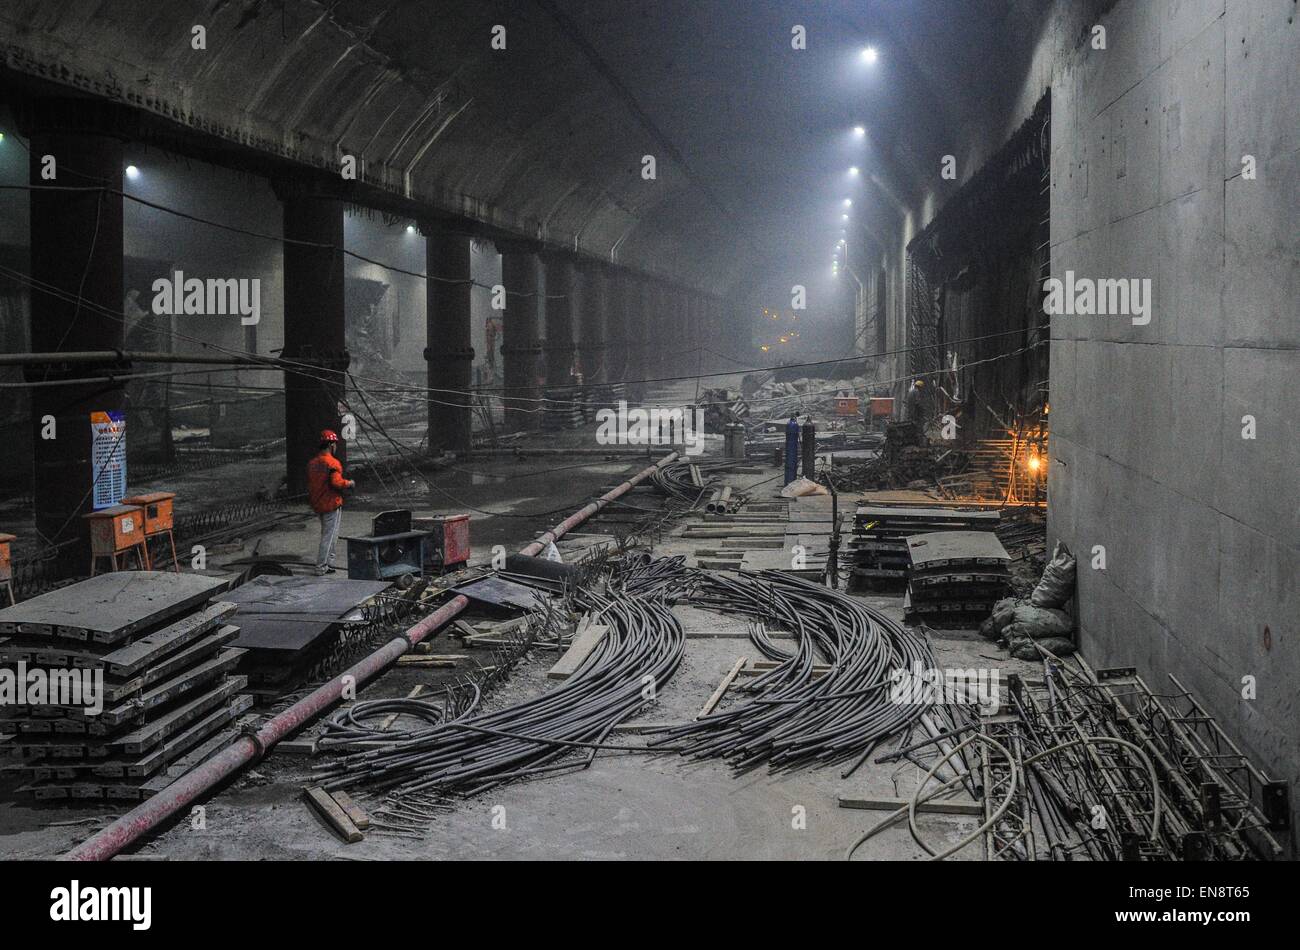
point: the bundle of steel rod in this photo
(686, 480)
(461, 749)
(1111, 770)
(798, 716)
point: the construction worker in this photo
(913, 403)
(325, 482)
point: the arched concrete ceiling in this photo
(545, 138)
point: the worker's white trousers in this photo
(329, 533)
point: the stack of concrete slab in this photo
(110, 687)
(289, 624)
(878, 548)
(955, 577)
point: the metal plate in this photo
(291, 613)
(500, 592)
(955, 546)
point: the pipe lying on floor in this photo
(253, 745)
(582, 514)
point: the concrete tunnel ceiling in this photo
(545, 139)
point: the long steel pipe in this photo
(582, 514)
(253, 745)
(132, 356)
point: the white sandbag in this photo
(1003, 613)
(1038, 622)
(803, 487)
(1057, 583)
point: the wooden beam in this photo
(584, 642)
(942, 807)
(352, 809)
(718, 693)
(333, 814)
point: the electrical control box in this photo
(400, 544)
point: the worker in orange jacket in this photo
(325, 482)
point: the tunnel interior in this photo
(1031, 262)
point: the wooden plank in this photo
(392, 717)
(938, 807)
(333, 814)
(352, 809)
(426, 661)
(464, 629)
(718, 693)
(584, 642)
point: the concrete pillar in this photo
(76, 247)
(313, 326)
(590, 284)
(559, 319)
(448, 349)
(521, 350)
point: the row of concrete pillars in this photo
(631, 328)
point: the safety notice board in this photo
(108, 457)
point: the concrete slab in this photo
(109, 607)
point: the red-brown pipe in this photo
(586, 512)
(252, 746)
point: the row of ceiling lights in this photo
(869, 55)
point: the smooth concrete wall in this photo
(1200, 527)
(1148, 460)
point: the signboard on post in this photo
(108, 458)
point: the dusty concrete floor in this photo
(624, 806)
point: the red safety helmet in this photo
(329, 435)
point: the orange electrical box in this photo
(157, 510)
(846, 405)
(455, 539)
(882, 406)
(6, 564)
(115, 531)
